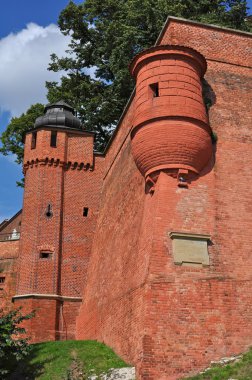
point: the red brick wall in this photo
(205, 314)
(64, 178)
(80, 149)
(217, 44)
(167, 319)
(39, 233)
(54, 319)
(213, 308)
(67, 312)
(112, 309)
(8, 270)
(43, 327)
(81, 189)
(173, 320)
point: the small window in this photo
(49, 212)
(2, 280)
(85, 211)
(34, 140)
(154, 90)
(45, 255)
(53, 139)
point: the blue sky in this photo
(28, 35)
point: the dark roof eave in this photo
(63, 128)
(10, 220)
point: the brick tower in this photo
(53, 256)
(170, 131)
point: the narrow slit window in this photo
(34, 140)
(45, 255)
(154, 90)
(85, 211)
(53, 139)
(2, 280)
(49, 212)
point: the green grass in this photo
(241, 370)
(52, 360)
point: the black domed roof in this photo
(58, 114)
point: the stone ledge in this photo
(187, 235)
(48, 296)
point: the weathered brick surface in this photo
(63, 178)
(168, 320)
(171, 128)
(206, 313)
(216, 44)
(113, 299)
(8, 270)
(55, 319)
(188, 315)
(43, 327)
(81, 190)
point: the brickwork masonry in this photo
(97, 256)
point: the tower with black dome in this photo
(56, 221)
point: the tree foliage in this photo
(12, 138)
(105, 36)
(13, 347)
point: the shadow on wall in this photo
(208, 94)
(209, 98)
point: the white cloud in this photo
(23, 66)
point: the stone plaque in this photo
(190, 249)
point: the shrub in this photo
(13, 345)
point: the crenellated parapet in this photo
(57, 162)
(171, 132)
(59, 140)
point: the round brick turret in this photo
(171, 130)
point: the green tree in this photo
(12, 138)
(105, 36)
(13, 347)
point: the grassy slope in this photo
(241, 370)
(52, 360)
